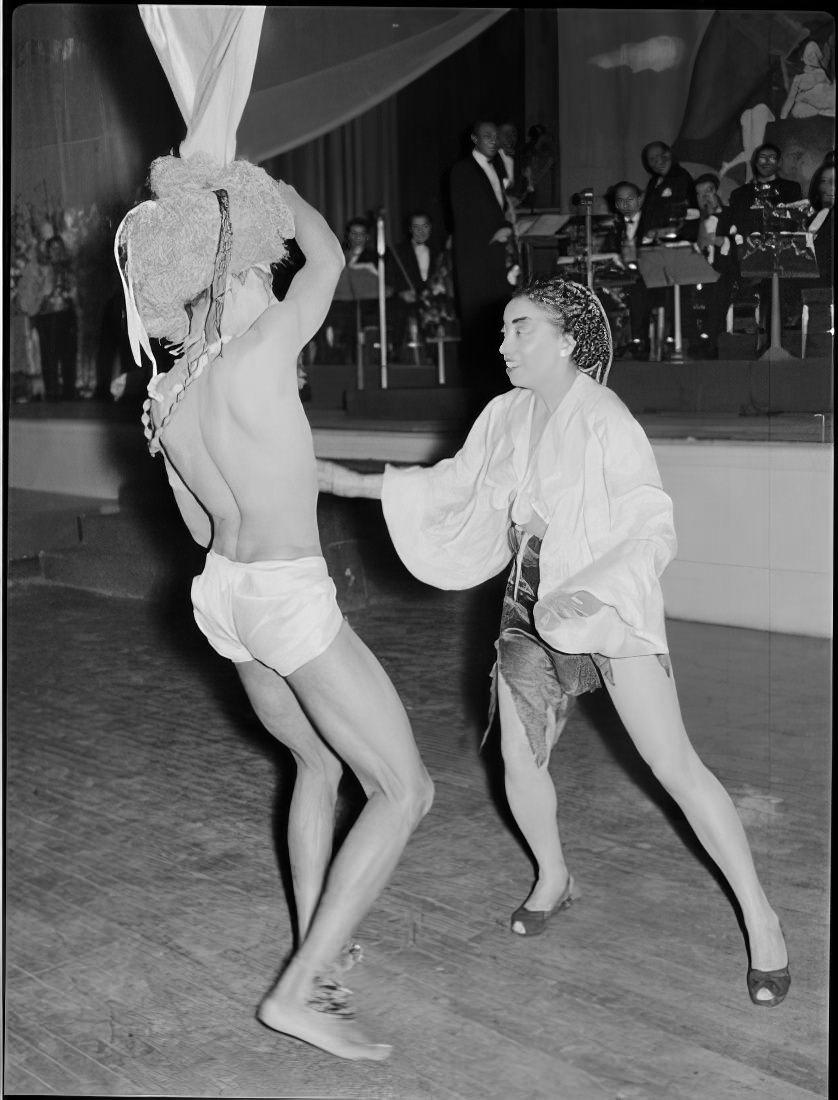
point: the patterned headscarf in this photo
(579, 313)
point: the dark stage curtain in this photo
(397, 155)
(349, 171)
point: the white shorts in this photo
(281, 613)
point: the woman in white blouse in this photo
(558, 476)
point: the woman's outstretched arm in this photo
(342, 482)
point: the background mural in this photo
(713, 84)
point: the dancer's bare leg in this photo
(311, 817)
(647, 703)
(352, 703)
(532, 799)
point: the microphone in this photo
(584, 197)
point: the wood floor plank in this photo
(147, 913)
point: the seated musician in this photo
(416, 258)
(625, 198)
(415, 262)
(337, 337)
(714, 242)
(669, 198)
(748, 207)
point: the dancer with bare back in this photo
(239, 457)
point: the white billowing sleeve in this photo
(629, 530)
(449, 522)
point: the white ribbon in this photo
(137, 335)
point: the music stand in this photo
(357, 285)
(539, 229)
(782, 255)
(675, 266)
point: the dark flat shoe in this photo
(776, 982)
(534, 921)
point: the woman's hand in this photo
(335, 479)
(575, 605)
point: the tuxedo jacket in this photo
(724, 258)
(519, 188)
(407, 255)
(479, 267)
(750, 221)
(666, 198)
(616, 236)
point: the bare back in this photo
(241, 444)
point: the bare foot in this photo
(333, 1033)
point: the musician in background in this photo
(714, 243)
(626, 236)
(358, 250)
(336, 339)
(416, 262)
(416, 257)
(748, 206)
(670, 192)
(765, 189)
(481, 232)
(625, 199)
(516, 174)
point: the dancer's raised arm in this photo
(313, 287)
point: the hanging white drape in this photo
(321, 67)
(208, 55)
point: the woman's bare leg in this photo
(311, 817)
(647, 703)
(532, 800)
(350, 700)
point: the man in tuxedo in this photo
(670, 192)
(415, 263)
(336, 341)
(747, 204)
(480, 235)
(625, 238)
(358, 249)
(515, 174)
(715, 245)
(416, 259)
(766, 188)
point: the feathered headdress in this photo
(206, 221)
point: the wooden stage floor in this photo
(145, 913)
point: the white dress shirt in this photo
(423, 259)
(631, 224)
(509, 165)
(491, 174)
